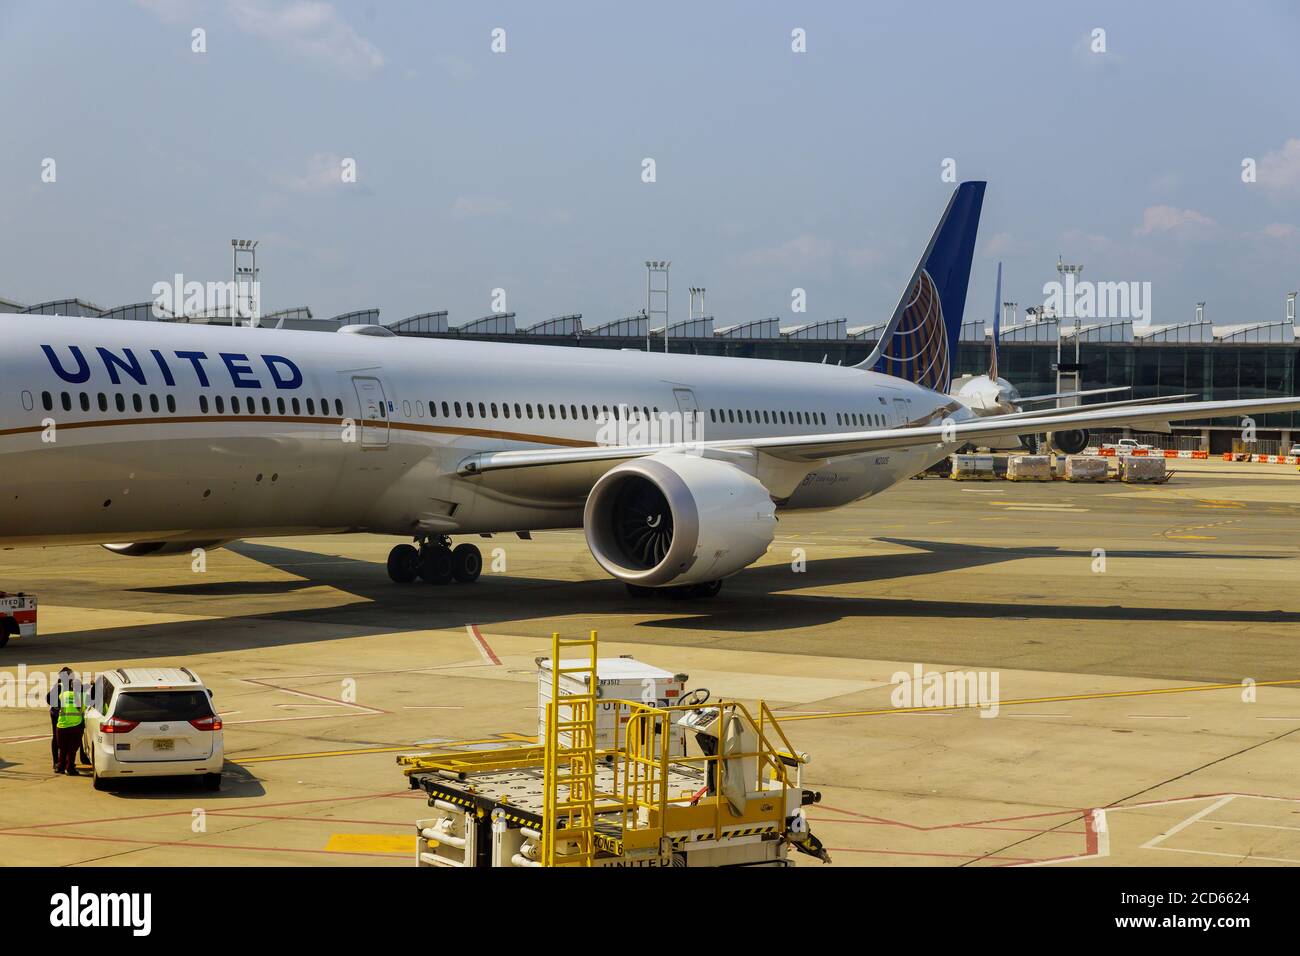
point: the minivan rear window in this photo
(155, 705)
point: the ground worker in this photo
(65, 681)
(68, 729)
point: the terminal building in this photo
(1244, 360)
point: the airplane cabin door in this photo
(689, 408)
(900, 411)
(374, 412)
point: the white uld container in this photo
(1086, 468)
(1029, 468)
(972, 466)
(1141, 468)
(620, 678)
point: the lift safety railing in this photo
(638, 810)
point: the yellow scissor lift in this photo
(737, 801)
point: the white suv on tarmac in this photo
(153, 722)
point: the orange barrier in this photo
(1153, 453)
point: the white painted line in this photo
(1158, 716)
(1154, 842)
(1235, 856)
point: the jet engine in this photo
(675, 519)
(1071, 442)
(140, 549)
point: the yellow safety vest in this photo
(69, 710)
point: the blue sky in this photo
(522, 170)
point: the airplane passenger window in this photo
(584, 413)
(457, 407)
(338, 407)
(120, 402)
(103, 402)
(266, 405)
(552, 410)
(406, 407)
(153, 403)
(573, 411)
(203, 404)
(518, 413)
(221, 405)
(47, 400)
(279, 404)
(297, 409)
(446, 411)
(136, 403)
(311, 407)
(494, 410)
(482, 410)
(563, 413)
(251, 405)
(469, 409)
(85, 402)
(171, 402)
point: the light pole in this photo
(246, 248)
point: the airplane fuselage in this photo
(116, 431)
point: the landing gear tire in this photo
(466, 563)
(403, 564)
(435, 564)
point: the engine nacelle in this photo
(140, 549)
(677, 519)
(1071, 442)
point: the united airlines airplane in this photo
(156, 438)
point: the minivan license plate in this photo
(164, 745)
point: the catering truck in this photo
(17, 616)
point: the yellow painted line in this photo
(413, 748)
(371, 843)
(1041, 700)
(1192, 537)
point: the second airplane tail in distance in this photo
(919, 342)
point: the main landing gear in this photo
(436, 561)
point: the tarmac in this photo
(1143, 642)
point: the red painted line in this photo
(1090, 841)
(269, 816)
(176, 813)
(958, 826)
(958, 856)
(483, 647)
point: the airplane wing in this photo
(1095, 407)
(810, 449)
(1035, 399)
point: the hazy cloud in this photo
(1280, 169)
(805, 252)
(1171, 219)
(478, 207)
(311, 29)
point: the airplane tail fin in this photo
(997, 328)
(920, 340)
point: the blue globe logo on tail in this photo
(919, 343)
(918, 350)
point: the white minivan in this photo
(153, 722)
